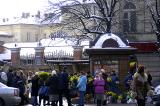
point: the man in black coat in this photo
(10, 77)
(64, 87)
(34, 89)
(53, 88)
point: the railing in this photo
(27, 59)
(30, 59)
(58, 55)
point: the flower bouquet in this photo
(119, 99)
(111, 97)
(109, 79)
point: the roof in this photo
(19, 20)
(98, 43)
(68, 61)
(145, 46)
(111, 51)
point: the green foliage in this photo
(44, 75)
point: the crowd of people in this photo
(57, 85)
(51, 91)
(139, 82)
(15, 79)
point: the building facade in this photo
(26, 32)
(136, 20)
(133, 17)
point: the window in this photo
(36, 37)
(45, 36)
(129, 18)
(28, 36)
(110, 43)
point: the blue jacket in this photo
(82, 82)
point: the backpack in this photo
(43, 90)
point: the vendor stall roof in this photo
(101, 40)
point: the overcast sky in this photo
(13, 8)
(10, 8)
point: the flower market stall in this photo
(109, 53)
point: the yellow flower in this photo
(111, 94)
(120, 97)
(90, 79)
(109, 79)
(114, 94)
(74, 78)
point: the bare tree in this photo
(154, 8)
(87, 17)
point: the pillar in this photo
(77, 54)
(123, 70)
(92, 70)
(15, 56)
(39, 55)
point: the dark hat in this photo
(141, 69)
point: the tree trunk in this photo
(109, 27)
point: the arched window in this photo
(110, 43)
(129, 18)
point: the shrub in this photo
(44, 75)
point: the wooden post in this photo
(123, 70)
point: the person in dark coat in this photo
(34, 89)
(114, 83)
(10, 77)
(53, 88)
(149, 77)
(20, 83)
(64, 87)
(129, 77)
(43, 92)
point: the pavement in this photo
(65, 104)
(106, 105)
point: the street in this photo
(65, 104)
(106, 105)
